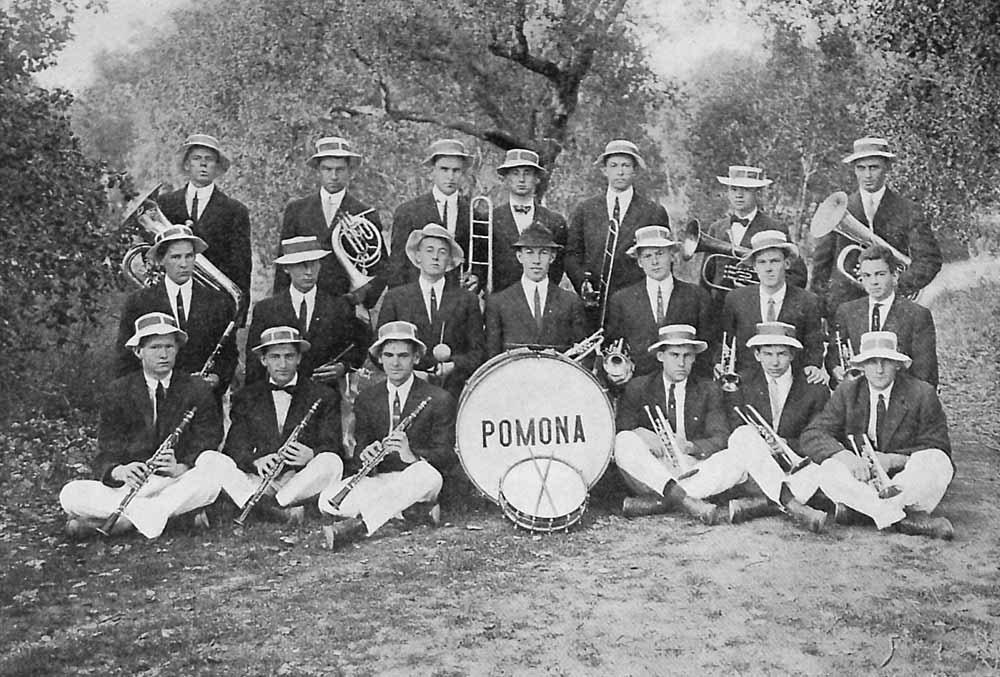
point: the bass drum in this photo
(526, 404)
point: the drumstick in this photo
(544, 477)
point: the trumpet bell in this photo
(730, 382)
(690, 239)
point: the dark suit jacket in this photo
(458, 312)
(900, 223)
(914, 420)
(254, 430)
(741, 313)
(705, 422)
(510, 323)
(304, 216)
(432, 435)
(414, 215)
(630, 316)
(506, 268)
(588, 233)
(334, 326)
(797, 274)
(805, 402)
(126, 432)
(224, 225)
(207, 318)
(911, 322)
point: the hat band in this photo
(677, 336)
(878, 344)
(768, 244)
(280, 336)
(525, 155)
(775, 335)
(744, 174)
(152, 320)
(182, 231)
(322, 147)
(299, 247)
(871, 148)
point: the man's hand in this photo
(717, 371)
(443, 369)
(816, 375)
(211, 379)
(892, 462)
(265, 464)
(370, 452)
(858, 467)
(297, 454)
(166, 464)
(838, 373)
(471, 282)
(398, 443)
(330, 372)
(130, 473)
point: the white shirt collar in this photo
(294, 381)
(778, 296)
(297, 296)
(784, 381)
(884, 306)
(886, 392)
(522, 201)
(681, 385)
(152, 381)
(666, 284)
(327, 196)
(403, 389)
(624, 199)
(749, 217)
(185, 289)
(426, 285)
(441, 197)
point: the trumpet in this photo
(668, 439)
(727, 366)
(846, 353)
(719, 252)
(278, 467)
(618, 366)
(357, 243)
(480, 237)
(879, 477)
(578, 351)
(787, 459)
(597, 295)
(379, 456)
(166, 445)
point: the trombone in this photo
(597, 295)
(727, 365)
(478, 262)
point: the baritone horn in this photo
(720, 252)
(479, 261)
(832, 216)
(357, 243)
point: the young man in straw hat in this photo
(448, 161)
(335, 163)
(201, 312)
(534, 311)
(773, 300)
(338, 338)
(889, 215)
(590, 219)
(222, 222)
(637, 312)
(138, 412)
(521, 173)
(903, 419)
(446, 315)
(409, 478)
(263, 416)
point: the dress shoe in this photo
(702, 511)
(641, 506)
(812, 519)
(79, 530)
(848, 516)
(200, 521)
(743, 509)
(426, 512)
(342, 532)
(919, 523)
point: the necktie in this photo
(444, 214)
(538, 308)
(332, 210)
(659, 305)
(290, 389)
(870, 208)
(521, 209)
(397, 411)
(880, 410)
(194, 208)
(161, 395)
(181, 315)
(876, 317)
(672, 408)
(771, 314)
(772, 391)
(303, 316)
(745, 222)
(434, 307)
(616, 211)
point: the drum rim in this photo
(558, 523)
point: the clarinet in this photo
(167, 444)
(278, 467)
(210, 362)
(367, 468)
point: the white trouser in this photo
(379, 498)
(761, 465)
(922, 483)
(644, 473)
(292, 487)
(159, 499)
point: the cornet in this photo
(846, 353)
(879, 477)
(618, 366)
(720, 252)
(585, 347)
(727, 366)
(357, 244)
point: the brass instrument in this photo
(784, 455)
(166, 445)
(278, 467)
(357, 243)
(618, 366)
(729, 255)
(597, 295)
(578, 351)
(379, 456)
(727, 365)
(668, 439)
(845, 352)
(879, 477)
(480, 237)
(832, 216)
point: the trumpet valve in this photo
(730, 382)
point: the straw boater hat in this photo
(880, 344)
(155, 324)
(301, 249)
(279, 335)
(333, 146)
(745, 177)
(440, 232)
(621, 147)
(769, 239)
(446, 148)
(869, 146)
(175, 233)
(536, 236)
(774, 334)
(520, 157)
(399, 330)
(206, 141)
(677, 335)
(650, 236)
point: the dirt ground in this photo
(651, 596)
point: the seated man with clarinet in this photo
(283, 447)
(405, 429)
(883, 444)
(153, 424)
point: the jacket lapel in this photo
(446, 309)
(898, 406)
(856, 209)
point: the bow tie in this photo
(290, 389)
(742, 221)
(521, 209)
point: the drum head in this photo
(543, 494)
(525, 403)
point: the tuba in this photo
(694, 241)
(480, 238)
(357, 243)
(832, 216)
